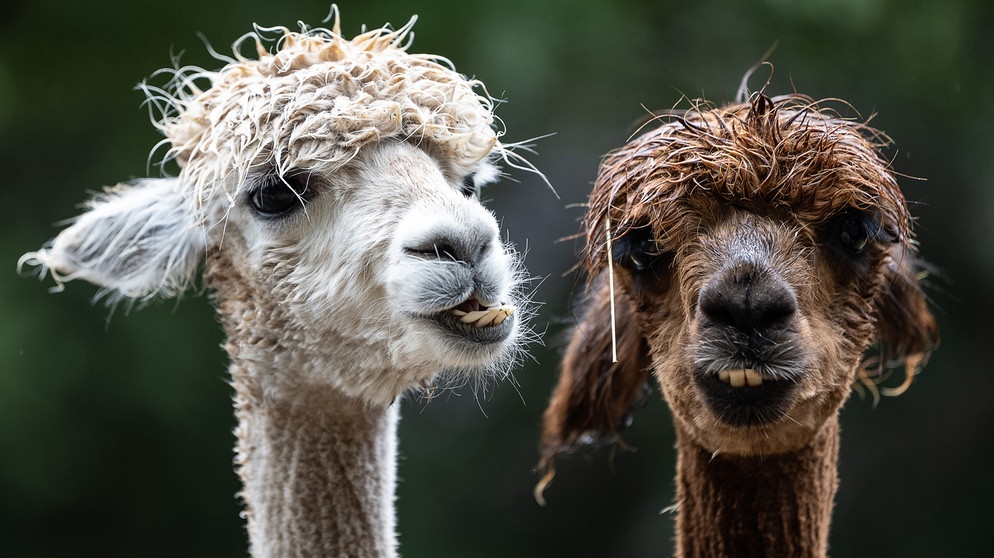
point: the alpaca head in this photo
(329, 191)
(759, 251)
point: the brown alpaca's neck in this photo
(777, 505)
(318, 475)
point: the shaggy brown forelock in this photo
(784, 153)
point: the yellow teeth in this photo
(485, 318)
(741, 377)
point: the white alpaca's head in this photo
(329, 192)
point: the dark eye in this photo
(469, 188)
(636, 250)
(853, 230)
(853, 234)
(277, 195)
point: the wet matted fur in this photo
(767, 237)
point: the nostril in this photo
(748, 305)
(448, 249)
(468, 241)
(779, 304)
(437, 250)
(483, 251)
(714, 304)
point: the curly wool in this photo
(784, 152)
(313, 103)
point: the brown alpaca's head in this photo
(759, 251)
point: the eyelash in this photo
(637, 251)
(469, 188)
(275, 196)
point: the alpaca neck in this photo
(318, 474)
(318, 466)
(776, 505)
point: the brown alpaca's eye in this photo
(636, 250)
(853, 236)
(277, 195)
(853, 232)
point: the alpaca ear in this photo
(593, 400)
(906, 328)
(137, 240)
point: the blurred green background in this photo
(115, 432)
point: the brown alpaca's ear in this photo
(594, 397)
(906, 328)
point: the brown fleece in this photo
(596, 404)
(775, 505)
(779, 190)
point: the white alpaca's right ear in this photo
(137, 240)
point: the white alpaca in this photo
(329, 193)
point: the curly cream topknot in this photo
(314, 103)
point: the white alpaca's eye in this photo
(277, 195)
(469, 188)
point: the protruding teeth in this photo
(470, 317)
(741, 377)
(500, 317)
(737, 378)
(484, 318)
(752, 378)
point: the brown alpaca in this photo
(758, 251)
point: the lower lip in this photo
(746, 406)
(488, 335)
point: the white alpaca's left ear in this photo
(137, 240)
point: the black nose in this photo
(748, 298)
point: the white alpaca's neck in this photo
(774, 505)
(318, 474)
(318, 466)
